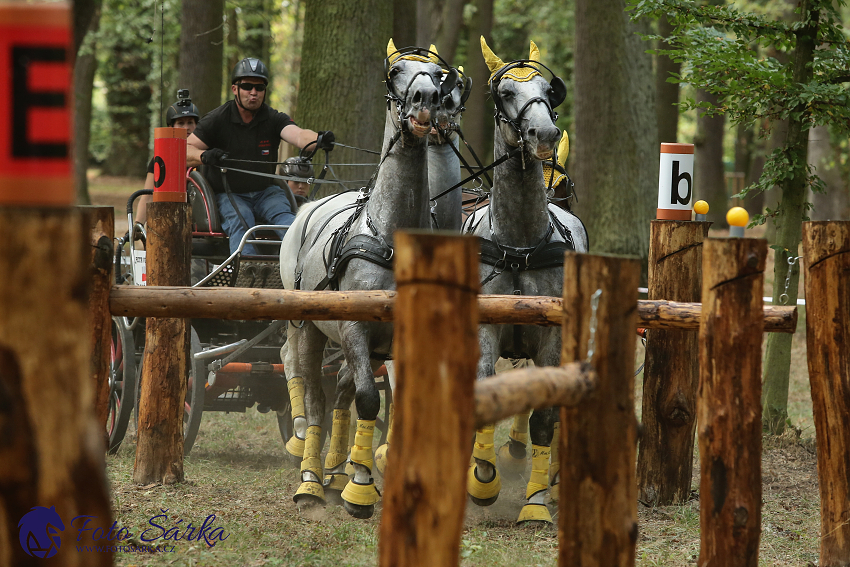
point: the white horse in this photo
(347, 245)
(522, 252)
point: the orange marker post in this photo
(169, 169)
(35, 104)
(675, 182)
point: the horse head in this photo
(414, 80)
(525, 102)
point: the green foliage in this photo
(727, 52)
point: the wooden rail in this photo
(271, 304)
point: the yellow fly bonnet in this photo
(560, 172)
(394, 55)
(520, 74)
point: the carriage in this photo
(234, 365)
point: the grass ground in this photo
(238, 472)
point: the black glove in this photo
(213, 156)
(326, 140)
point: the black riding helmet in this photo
(249, 67)
(183, 108)
(298, 167)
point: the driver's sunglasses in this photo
(247, 87)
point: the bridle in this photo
(401, 100)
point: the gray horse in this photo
(443, 160)
(522, 252)
(349, 248)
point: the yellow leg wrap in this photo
(361, 494)
(338, 451)
(539, 479)
(519, 429)
(381, 452)
(484, 450)
(296, 396)
(295, 445)
(312, 463)
(555, 464)
(535, 512)
(361, 452)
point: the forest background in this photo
(326, 60)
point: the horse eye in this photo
(393, 72)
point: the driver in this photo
(246, 128)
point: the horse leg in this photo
(541, 425)
(295, 385)
(335, 461)
(381, 452)
(360, 494)
(554, 461)
(513, 456)
(310, 346)
(483, 481)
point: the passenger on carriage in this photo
(181, 114)
(237, 135)
(298, 167)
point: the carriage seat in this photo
(208, 238)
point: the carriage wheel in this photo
(122, 378)
(193, 405)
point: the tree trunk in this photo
(478, 118)
(777, 358)
(671, 374)
(709, 178)
(826, 248)
(730, 338)
(438, 283)
(834, 203)
(439, 22)
(128, 96)
(86, 20)
(231, 20)
(615, 130)
(159, 449)
(404, 22)
(342, 82)
(255, 40)
(51, 450)
(666, 93)
(202, 52)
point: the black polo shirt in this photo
(258, 140)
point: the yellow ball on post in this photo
(701, 209)
(737, 217)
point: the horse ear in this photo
(534, 53)
(467, 89)
(493, 62)
(449, 83)
(564, 149)
(391, 50)
(559, 92)
(433, 55)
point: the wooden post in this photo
(159, 449)
(425, 482)
(729, 401)
(101, 221)
(51, 449)
(826, 260)
(671, 374)
(598, 504)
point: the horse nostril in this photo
(532, 132)
(435, 99)
(417, 97)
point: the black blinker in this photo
(449, 83)
(467, 90)
(559, 92)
